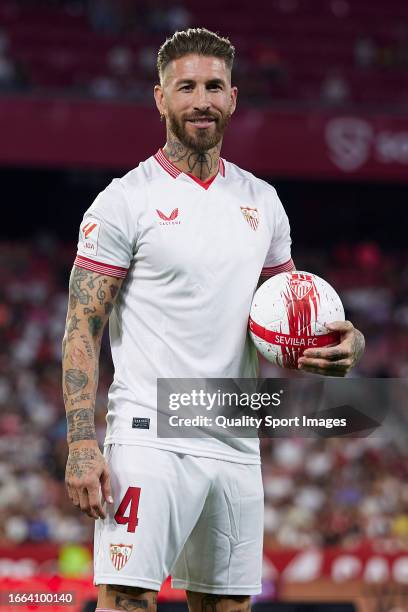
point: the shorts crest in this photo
(120, 554)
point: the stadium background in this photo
(323, 116)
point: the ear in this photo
(234, 96)
(159, 98)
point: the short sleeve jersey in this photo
(190, 254)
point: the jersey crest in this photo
(251, 216)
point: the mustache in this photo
(201, 116)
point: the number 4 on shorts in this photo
(131, 498)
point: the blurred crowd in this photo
(330, 53)
(335, 491)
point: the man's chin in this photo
(202, 144)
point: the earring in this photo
(161, 117)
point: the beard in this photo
(204, 139)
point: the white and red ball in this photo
(288, 315)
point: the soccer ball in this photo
(288, 314)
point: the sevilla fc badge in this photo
(251, 216)
(301, 285)
(120, 554)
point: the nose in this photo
(201, 101)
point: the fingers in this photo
(88, 499)
(84, 502)
(332, 353)
(73, 495)
(89, 502)
(95, 503)
(324, 367)
(106, 486)
(340, 326)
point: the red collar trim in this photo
(169, 167)
(204, 184)
(166, 164)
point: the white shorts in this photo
(197, 519)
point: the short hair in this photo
(199, 41)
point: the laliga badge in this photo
(89, 235)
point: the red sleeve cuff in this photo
(288, 266)
(98, 266)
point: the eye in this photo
(214, 86)
(185, 88)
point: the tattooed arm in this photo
(91, 300)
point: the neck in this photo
(203, 165)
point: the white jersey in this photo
(191, 254)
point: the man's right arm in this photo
(91, 300)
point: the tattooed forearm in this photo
(91, 296)
(80, 461)
(80, 425)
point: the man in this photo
(168, 254)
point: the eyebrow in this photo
(215, 81)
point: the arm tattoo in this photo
(75, 380)
(80, 425)
(72, 325)
(80, 461)
(78, 358)
(94, 325)
(88, 346)
(101, 294)
(78, 291)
